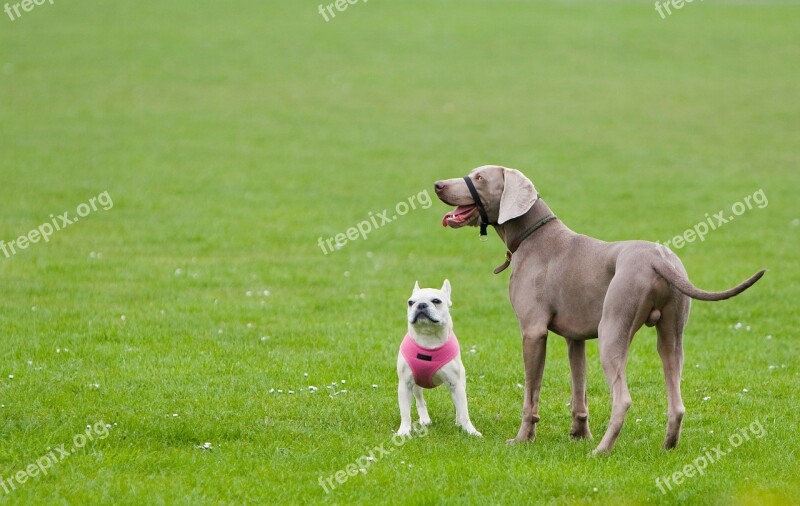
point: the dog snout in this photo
(439, 186)
(422, 305)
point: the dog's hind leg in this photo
(670, 348)
(579, 404)
(422, 406)
(625, 309)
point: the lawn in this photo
(188, 341)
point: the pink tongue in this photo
(456, 214)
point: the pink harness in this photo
(426, 362)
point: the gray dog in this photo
(580, 288)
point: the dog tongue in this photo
(457, 214)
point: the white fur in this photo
(432, 334)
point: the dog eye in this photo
(436, 301)
(410, 303)
(479, 177)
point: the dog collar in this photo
(482, 210)
(514, 246)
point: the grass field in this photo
(231, 137)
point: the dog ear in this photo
(416, 287)
(446, 289)
(519, 195)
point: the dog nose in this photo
(422, 305)
(438, 186)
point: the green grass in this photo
(231, 136)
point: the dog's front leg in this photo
(405, 383)
(404, 400)
(534, 348)
(458, 391)
(579, 403)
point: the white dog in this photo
(430, 356)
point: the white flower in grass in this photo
(706, 398)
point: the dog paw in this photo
(425, 421)
(518, 440)
(474, 432)
(404, 431)
(581, 433)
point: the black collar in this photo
(485, 223)
(482, 210)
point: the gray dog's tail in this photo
(682, 283)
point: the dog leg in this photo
(625, 309)
(579, 403)
(670, 348)
(404, 399)
(534, 348)
(613, 344)
(422, 406)
(458, 391)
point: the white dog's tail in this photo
(682, 283)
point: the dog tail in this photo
(682, 283)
